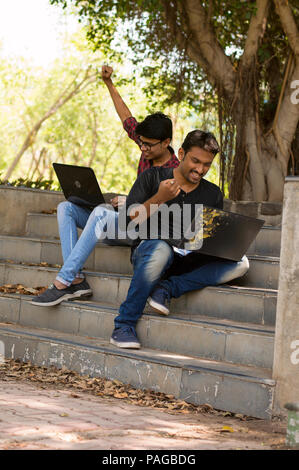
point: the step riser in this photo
(223, 391)
(260, 274)
(155, 332)
(218, 303)
(117, 260)
(267, 242)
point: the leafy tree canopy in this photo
(152, 44)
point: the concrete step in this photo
(224, 341)
(230, 387)
(263, 272)
(240, 304)
(267, 242)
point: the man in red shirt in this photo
(153, 134)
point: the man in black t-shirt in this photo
(161, 271)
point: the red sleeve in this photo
(130, 125)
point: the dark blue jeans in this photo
(151, 259)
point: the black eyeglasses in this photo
(148, 145)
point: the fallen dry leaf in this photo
(120, 395)
(30, 290)
(98, 386)
(49, 211)
(20, 289)
(227, 429)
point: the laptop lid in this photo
(224, 234)
(79, 184)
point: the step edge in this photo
(273, 259)
(107, 349)
(267, 227)
(232, 288)
(204, 322)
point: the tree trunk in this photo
(261, 158)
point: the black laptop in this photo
(79, 185)
(213, 231)
(220, 233)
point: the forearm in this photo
(168, 190)
(144, 211)
(120, 106)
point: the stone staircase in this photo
(216, 347)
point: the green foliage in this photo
(86, 130)
(155, 35)
(171, 76)
(49, 185)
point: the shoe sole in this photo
(78, 295)
(81, 293)
(158, 307)
(125, 345)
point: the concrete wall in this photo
(286, 353)
(16, 202)
(270, 212)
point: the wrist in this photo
(157, 199)
(108, 82)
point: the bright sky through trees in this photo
(34, 29)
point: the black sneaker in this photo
(53, 296)
(160, 300)
(125, 337)
(81, 290)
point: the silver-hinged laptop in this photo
(79, 185)
(220, 233)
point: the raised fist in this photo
(106, 72)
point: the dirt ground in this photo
(50, 409)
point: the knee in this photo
(155, 249)
(234, 270)
(64, 208)
(242, 266)
(162, 251)
(157, 256)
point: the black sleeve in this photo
(219, 200)
(143, 189)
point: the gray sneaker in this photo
(53, 296)
(81, 290)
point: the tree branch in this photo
(200, 41)
(288, 23)
(60, 101)
(287, 120)
(202, 33)
(255, 32)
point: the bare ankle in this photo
(59, 285)
(77, 280)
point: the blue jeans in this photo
(99, 224)
(151, 259)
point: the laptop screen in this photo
(79, 184)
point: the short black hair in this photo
(155, 126)
(204, 140)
